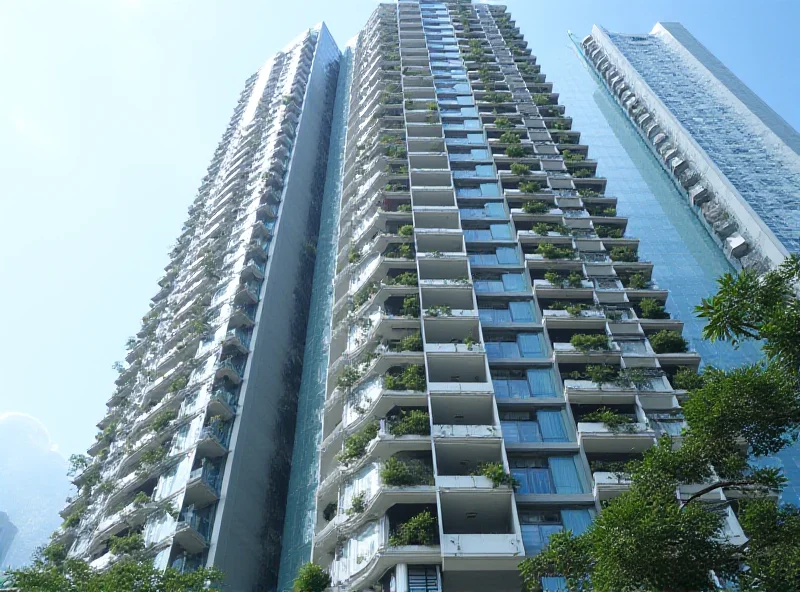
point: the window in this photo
(542, 382)
(557, 474)
(423, 578)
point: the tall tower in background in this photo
(488, 300)
(733, 158)
(192, 460)
(7, 534)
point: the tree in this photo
(311, 578)
(75, 575)
(649, 539)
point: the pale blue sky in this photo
(111, 109)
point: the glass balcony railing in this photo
(207, 474)
(200, 522)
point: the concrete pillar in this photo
(401, 577)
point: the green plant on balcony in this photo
(687, 379)
(432, 106)
(496, 474)
(542, 228)
(311, 578)
(541, 99)
(636, 281)
(588, 193)
(572, 156)
(348, 377)
(550, 251)
(394, 187)
(364, 294)
(163, 419)
(608, 231)
(403, 207)
(615, 422)
(502, 122)
(556, 279)
(439, 310)
(418, 530)
(407, 278)
(354, 256)
(411, 342)
(414, 422)
(409, 104)
(601, 374)
(509, 138)
(106, 487)
(576, 309)
(288, 99)
(625, 254)
(582, 173)
(406, 230)
(469, 342)
(141, 499)
(151, 459)
(575, 280)
(668, 342)
(515, 151)
(395, 151)
(126, 545)
(651, 309)
(410, 306)
(178, 384)
(74, 517)
(358, 503)
(586, 343)
(355, 445)
(634, 377)
(520, 169)
(532, 187)
(406, 472)
(412, 378)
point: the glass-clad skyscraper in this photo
(192, 460)
(734, 158)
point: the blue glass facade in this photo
(686, 260)
(299, 524)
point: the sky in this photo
(110, 111)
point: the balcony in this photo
(192, 530)
(212, 442)
(230, 368)
(223, 403)
(238, 340)
(203, 485)
(609, 485)
(598, 438)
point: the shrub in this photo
(575, 310)
(572, 156)
(358, 503)
(623, 254)
(406, 230)
(411, 342)
(687, 379)
(412, 378)
(440, 310)
(611, 419)
(636, 281)
(141, 498)
(127, 544)
(520, 169)
(531, 187)
(414, 422)
(601, 374)
(418, 530)
(582, 173)
(541, 99)
(575, 280)
(410, 306)
(586, 343)
(404, 207)
(348, 377)
(502, 122)
(652, 309)
(550, 251)
(514, 151)
(404, 473)
(354, 256)
(364, 294)
(356, 445)
(509, 138)
(497, 474)
(556, 279)
(407, 278)
(535, 207)
(668, 342)
(608, 231)
(163, 419)
(311, 578)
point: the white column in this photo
(401, 577)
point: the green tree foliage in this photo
(311, 578)
(48, 573)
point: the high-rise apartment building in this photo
(7, 534)
(479, 293)
(487, 299)
(720, 142)
(193, 457)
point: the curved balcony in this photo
(598, 438)
(230, 368)
(193, 530)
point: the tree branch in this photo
(717, 485)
